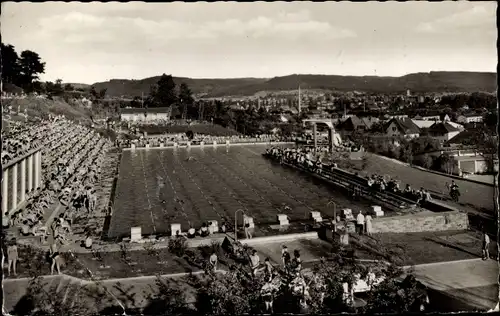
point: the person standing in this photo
(269, 268)
(486, 246)
(255, 261)
(368, 222)
(213, 261)
(54, 256)
(285, 256)
(267, 293)
(12, 256)
(248, 233)
(297, 262)
(360, 220)
(88, 242)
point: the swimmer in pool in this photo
(160, 185)
(179, 201)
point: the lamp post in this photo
(334, 212)
(236, 223)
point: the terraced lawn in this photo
(478, 195)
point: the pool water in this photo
(212, 185)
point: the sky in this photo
(95, 42)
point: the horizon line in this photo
(294, 74)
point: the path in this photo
(472, 281)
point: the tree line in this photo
(24, 70)
(165, 94)
(21, 70)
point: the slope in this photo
(418, 82)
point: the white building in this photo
(142, 114)
(469, 118)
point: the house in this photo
(145, 114)
(423, 123)
(456, 125)
(442, 131)
(470, 118)
(355, 123)
(402, 127)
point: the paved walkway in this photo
(466, 280)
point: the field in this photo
(477, 195)
(212, 186)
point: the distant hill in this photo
(418, 82)
(80, 85)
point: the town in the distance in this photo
(298, 194)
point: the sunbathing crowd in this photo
(169, 139)
(71, 159)
(20, 138)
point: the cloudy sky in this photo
(94, 42)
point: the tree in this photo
(10, 66)
(102, 93)
(165, 95)
(406, 154)
(170, 300)
(427, 161)
(30, 66)
(136, 102)
(68, 87)
(93, 93)
(445, 163)
(57, 88)
(233, 293)
(185, 94)
(394, 296)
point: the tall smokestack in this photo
(299, 101)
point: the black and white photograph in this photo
(239, 158)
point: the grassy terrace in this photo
(473, 195)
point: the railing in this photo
(20, 158)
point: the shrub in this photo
(177, 246)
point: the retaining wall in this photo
(421, 222)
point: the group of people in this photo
(196, 139)
(19, 138)
(306, 158)
(379, 183)
(71, 158)
(291, 268)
